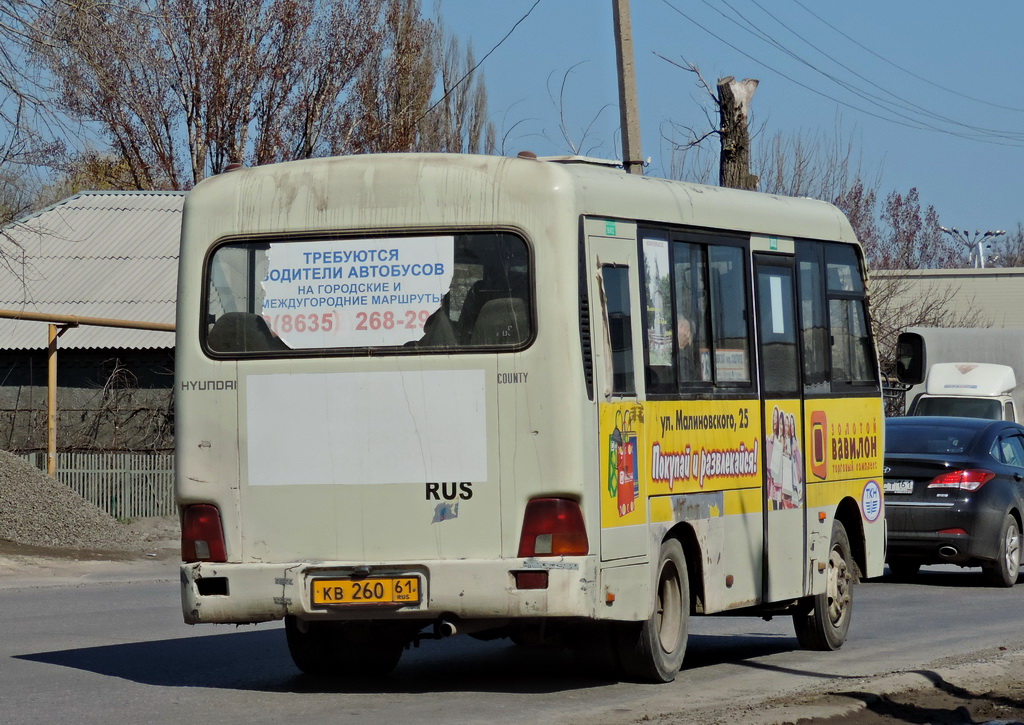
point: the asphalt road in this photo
(108, 645)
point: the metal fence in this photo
(125, 485)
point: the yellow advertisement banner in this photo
(844, 438)
(660, 448)
(671, 447)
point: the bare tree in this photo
(731, 101)
(686, 141)
(859, 201)
(914, 239)
(902, 236)
(1009, 251)
(392, 90)
(896, 234)
(818, 165)
(898, 302)
(182, 88)
(734, 99)
(24, 120)
(457, 122)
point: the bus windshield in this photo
(440, 292)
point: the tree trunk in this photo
(734, 103)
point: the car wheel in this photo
(903, 569)
(824, 619)
(1006, 567)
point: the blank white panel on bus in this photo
(366, 428)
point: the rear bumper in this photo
(249, 593)
(914, 533)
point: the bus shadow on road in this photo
(706, 650)
(259, 661)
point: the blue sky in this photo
(930, 93)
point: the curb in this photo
(862, 694)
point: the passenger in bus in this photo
(689, 369)
(437, 331)
(243, 332)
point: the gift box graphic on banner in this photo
(623, 482)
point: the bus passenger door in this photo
(783, 493)
(614, 295)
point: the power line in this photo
(902, 108)
(480, 62)
(901, 101)
(905, 70)
(995, 138)
(786, 76)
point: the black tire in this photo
(1004, 570)
(653, 651)
(824, 620)
(903, 569)
(349, 649)
(593, 648)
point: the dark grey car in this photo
(954, 494)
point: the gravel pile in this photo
(38, 511)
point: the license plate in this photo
(898, 486)
(364, 592)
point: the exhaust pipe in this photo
(445, 627)
(948, 551)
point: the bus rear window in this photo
(454, 292)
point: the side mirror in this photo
(911, 363)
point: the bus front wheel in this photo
(653, 650)
(824, 620)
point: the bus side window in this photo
(730, 338)
(813, 318)
(778, 337)
(693, 343)
(852, 351)
(658, 320)
(620, 328)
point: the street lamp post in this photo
(975, 242)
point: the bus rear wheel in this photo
(346, 649)
(653, 650)
(824, 620)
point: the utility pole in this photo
(629, 110)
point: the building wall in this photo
(107, 400)
(996, 293)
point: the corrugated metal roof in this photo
(95, 254)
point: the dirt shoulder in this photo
(982, 687)
(151, 550)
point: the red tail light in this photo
(553, 527)
(970, 479)
(202, 536)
